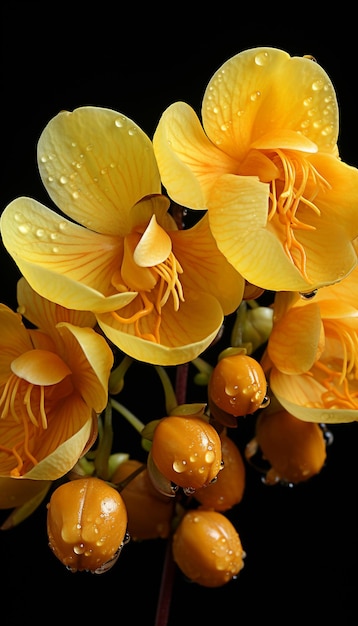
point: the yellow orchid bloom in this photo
(264, 163)
(312, 353)
(53, 383)
(158, 293)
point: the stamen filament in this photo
(168, 284)
(286, 203)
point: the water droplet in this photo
(209, 456)
(63, 180)
(180, 466)
(255, 95)
(265, 402)
(317, 85)
(79, 548)
(327, 434)
(188, 491)
(308, 295)
(261, 58)
(24, 229)
(120, 121)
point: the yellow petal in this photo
(296, 341)
(243, 237)
(92, 373)
(284, 139)
(16, 492)
(62, 261)
(14, 337)
(188, 161)
(40, 367)
(96, 164)
(296, 393)
(154, 246)
(197, 250)
(264, 88)
(184, 334)
(46, 314)
(63, 457)
(22, 512)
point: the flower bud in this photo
(207, 548)
(149, 512)
(229, 487)
(86, 524)
(187, 451)
(295, 450)
(237, 386)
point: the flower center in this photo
(296, 188)
(150, 268)
(34, 374)
(340, 375)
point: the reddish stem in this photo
(168, 574)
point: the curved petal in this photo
(196, 249)
(62, 457)
(44, 313)
(297, 394)
(263, 88)
(40, 367)
(296, 341)
(187, 160)
(243, 237)
(62, 261)
(154, 246)
(14, 338)
(184, 334)
(15, 492)
(96, 164)
(90, 359)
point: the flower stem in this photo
(168, 574)
(129, 416)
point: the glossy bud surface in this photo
(207, 548)
(86, 524)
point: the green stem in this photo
(105, 445)
(129, 416)
(171, 401)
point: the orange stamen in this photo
(168, 284)
(336, 382)
(286, 204)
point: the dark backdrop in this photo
(301, 543)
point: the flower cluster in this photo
(112, 278)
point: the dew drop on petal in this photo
(308, 295)
(261, 58)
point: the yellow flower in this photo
(53, 382)
(264, 163)
(312, 353)
(157, 292)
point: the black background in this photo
(301, 543)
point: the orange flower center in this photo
(24, 401)
(294, 185)
(339, 376)
(150, 268)
(298, 184)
